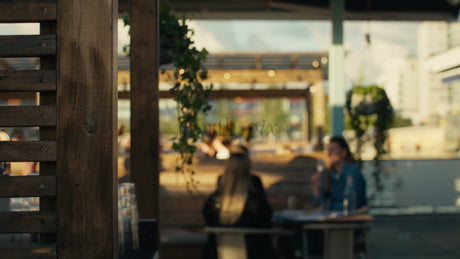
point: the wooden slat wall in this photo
(28, 186)
(27, 45)
(15, 84)
(28, 11)
(28, 81)
(27, 151)
(29, 252)
(27, 116)
(28, 222)
(79, 121)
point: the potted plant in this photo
(370, 112)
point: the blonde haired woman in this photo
(239, 201)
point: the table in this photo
(338, 230)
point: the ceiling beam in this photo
(230, 94)
(312, 16)
(245, 76)
(283, 10)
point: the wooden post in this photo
(337, 93)
(320, 116)
(144, 56)
(308, 115)
(86, 129)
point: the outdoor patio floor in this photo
(415, 236)
(391, 237)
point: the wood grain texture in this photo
(27, 222)
(144, 105)
(28, 11)
(29, 251)
(27, 116)
(28, 81)
(86, 130)
(27, 151)
(28, 186)
(27, 46)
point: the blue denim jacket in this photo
(350, 185)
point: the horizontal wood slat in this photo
(28, 11)
(28, 81)
(28, 186)
(27, 151)
(28, 251)
(27, 45)
(28, 222)
(27, 116)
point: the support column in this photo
(145, 158)
(320, 115)
(337, 94)
(86, 129)
(308, 116)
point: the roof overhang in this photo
(388, 10)
(444, 61)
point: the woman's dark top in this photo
(257, 213)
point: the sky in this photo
(391, 42)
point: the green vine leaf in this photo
(187, 86)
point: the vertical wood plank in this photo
(308, 116)
(144, 105)
(86, 130)
(48, 132)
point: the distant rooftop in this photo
(241, 61)
(215, 61)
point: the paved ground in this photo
(396, 237)
(415, 237)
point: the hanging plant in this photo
(177, 47)
(370, 114)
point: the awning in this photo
(390, 10)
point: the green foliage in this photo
(187, 85)
(274, 117)
(370, 115)
(399, 122)
(169, 126)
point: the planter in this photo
(366, 109)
